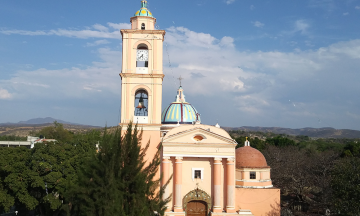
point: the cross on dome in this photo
(180, 78)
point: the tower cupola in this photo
(143, 18)
(143, 10)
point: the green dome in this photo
(180, 111)
(143, 10)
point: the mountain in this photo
(36, 121)
(310, 132)
(44, 121)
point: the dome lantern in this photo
(143, 10)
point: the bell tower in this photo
(142, 74)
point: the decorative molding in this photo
(269, 186)
(193, 155)
(197, 149)
(178, 158)
(197, 194)
(166, 158)
(142, 75)
(231, 159)
(171, 137)
(218, 158)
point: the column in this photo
(217, 185)
(165, 178)
(230, 184)
(178, 183)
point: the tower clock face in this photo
(142, 55)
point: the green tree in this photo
(280, 141)
(17, 180)
(117, 180)
(352, 149)
(57, 132)
(346, 186)
(12, 138)
(57, 165)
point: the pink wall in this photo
(258, 201)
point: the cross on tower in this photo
(180, 78)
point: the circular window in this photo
(198, 138)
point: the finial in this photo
(247, 143)
(180, 78)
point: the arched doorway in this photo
(197, 203)
(196, 208)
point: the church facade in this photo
(209, 177)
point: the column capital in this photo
(218, 158)
(178, 158)
(231, 159)
(166, 158)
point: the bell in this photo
(141, 103)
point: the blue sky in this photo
(245, 62)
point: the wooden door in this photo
(196, 208)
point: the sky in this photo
(268, 63)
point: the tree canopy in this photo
(117, 181)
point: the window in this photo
(252, 175)
(143, 26)
(197, 174)
(198, 138)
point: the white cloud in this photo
(229, 1)
(301, 26)
(4, 94)
(98, 42)
(258, 24)
(357, 7)
(327, 5)
(248, 88)
(346, 13)
(96, 31)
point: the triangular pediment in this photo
(199, 136)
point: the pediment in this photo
(198, 136)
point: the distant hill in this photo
(36, 121)
(310, 132)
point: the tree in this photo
(280, 141)
(117, 180)
(303, 176)
(57, 132)
(16, 180)
(346, 186)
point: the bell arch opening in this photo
(141, 106)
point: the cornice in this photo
(162, 32)
(134, 75)
(186, 132)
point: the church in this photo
(209, 176)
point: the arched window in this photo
(142, 59)
(142, 26)
(141, 103)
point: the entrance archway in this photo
(196, 208)
(197, 203)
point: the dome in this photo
(143, 10)
(179, 111)
(248, 157)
